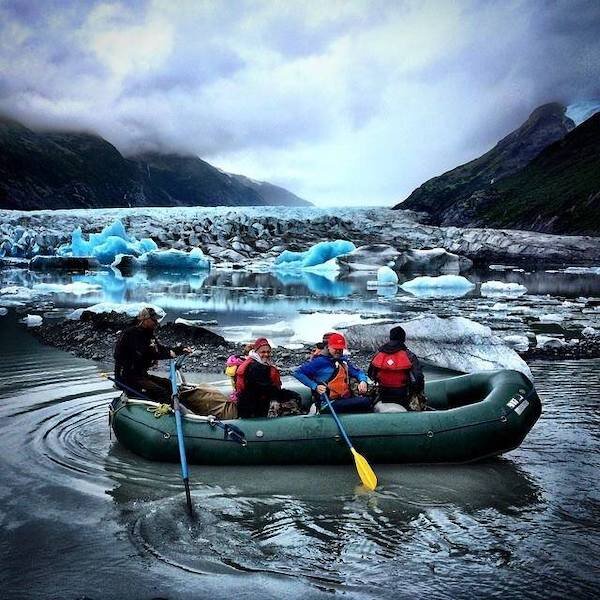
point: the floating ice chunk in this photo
(520, 343)
(316, 255)
(105, 246)
(3, 311)
(77, 288)
(175, 260)
(500, 288)
(546, 342)
(32, 320)
(590, 332)
(454, 343)
(551, 318)
(583, 270)
(386, 276)
(131, 309)
(195, 322)
(500, 306)
(502, 267)
(444, 285)
(434, 260)
(17, 292)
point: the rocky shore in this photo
(93, 337)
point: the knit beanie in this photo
(397, 334)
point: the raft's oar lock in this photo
(166, 435)
(430, 434)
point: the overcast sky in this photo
(342, 102)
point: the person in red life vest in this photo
(330, 372)
(258, 384)
(396, 370)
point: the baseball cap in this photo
(336, 341)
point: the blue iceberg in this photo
(105, 246)
(316, 255)
(175, 260)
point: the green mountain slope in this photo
(545, 125)
(558, 192)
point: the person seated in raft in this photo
(330, 373)
(231, 367)
(136, 351)
(258, 386)
(320, 346)
(398, 373)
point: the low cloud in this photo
(342, 102)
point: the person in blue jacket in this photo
(330, 373)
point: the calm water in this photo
(83, 518)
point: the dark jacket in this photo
(135, 352)
(416, 378)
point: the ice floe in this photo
(500, 288)
(32, 320)
(444, 285)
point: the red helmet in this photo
(336, 341)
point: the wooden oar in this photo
(180, 441)
(366, 474)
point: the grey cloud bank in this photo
(343, 103)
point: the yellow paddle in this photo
(366, 474)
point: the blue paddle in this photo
(179, 425)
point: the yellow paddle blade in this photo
(366, 474)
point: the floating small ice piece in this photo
(501, 306)
(32, 320)
(194, 322)
(78, 288)
(545, 342)
(386, 276)
(517, 342)
(131, 309)
(551, 318)
(590, 332)
(3, 311)
(501, 267)
(499, 288)
(583, 270)
(444, 285)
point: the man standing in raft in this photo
(330, 373)
(398, 373)
(136, 351)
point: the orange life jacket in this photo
(339, 384)
(393, 369)
(240, 376)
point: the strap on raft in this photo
(230, 432)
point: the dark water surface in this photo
(83, 518)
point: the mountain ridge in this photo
(54, 169)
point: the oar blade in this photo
(366, 474)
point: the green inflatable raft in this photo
(471, 417)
